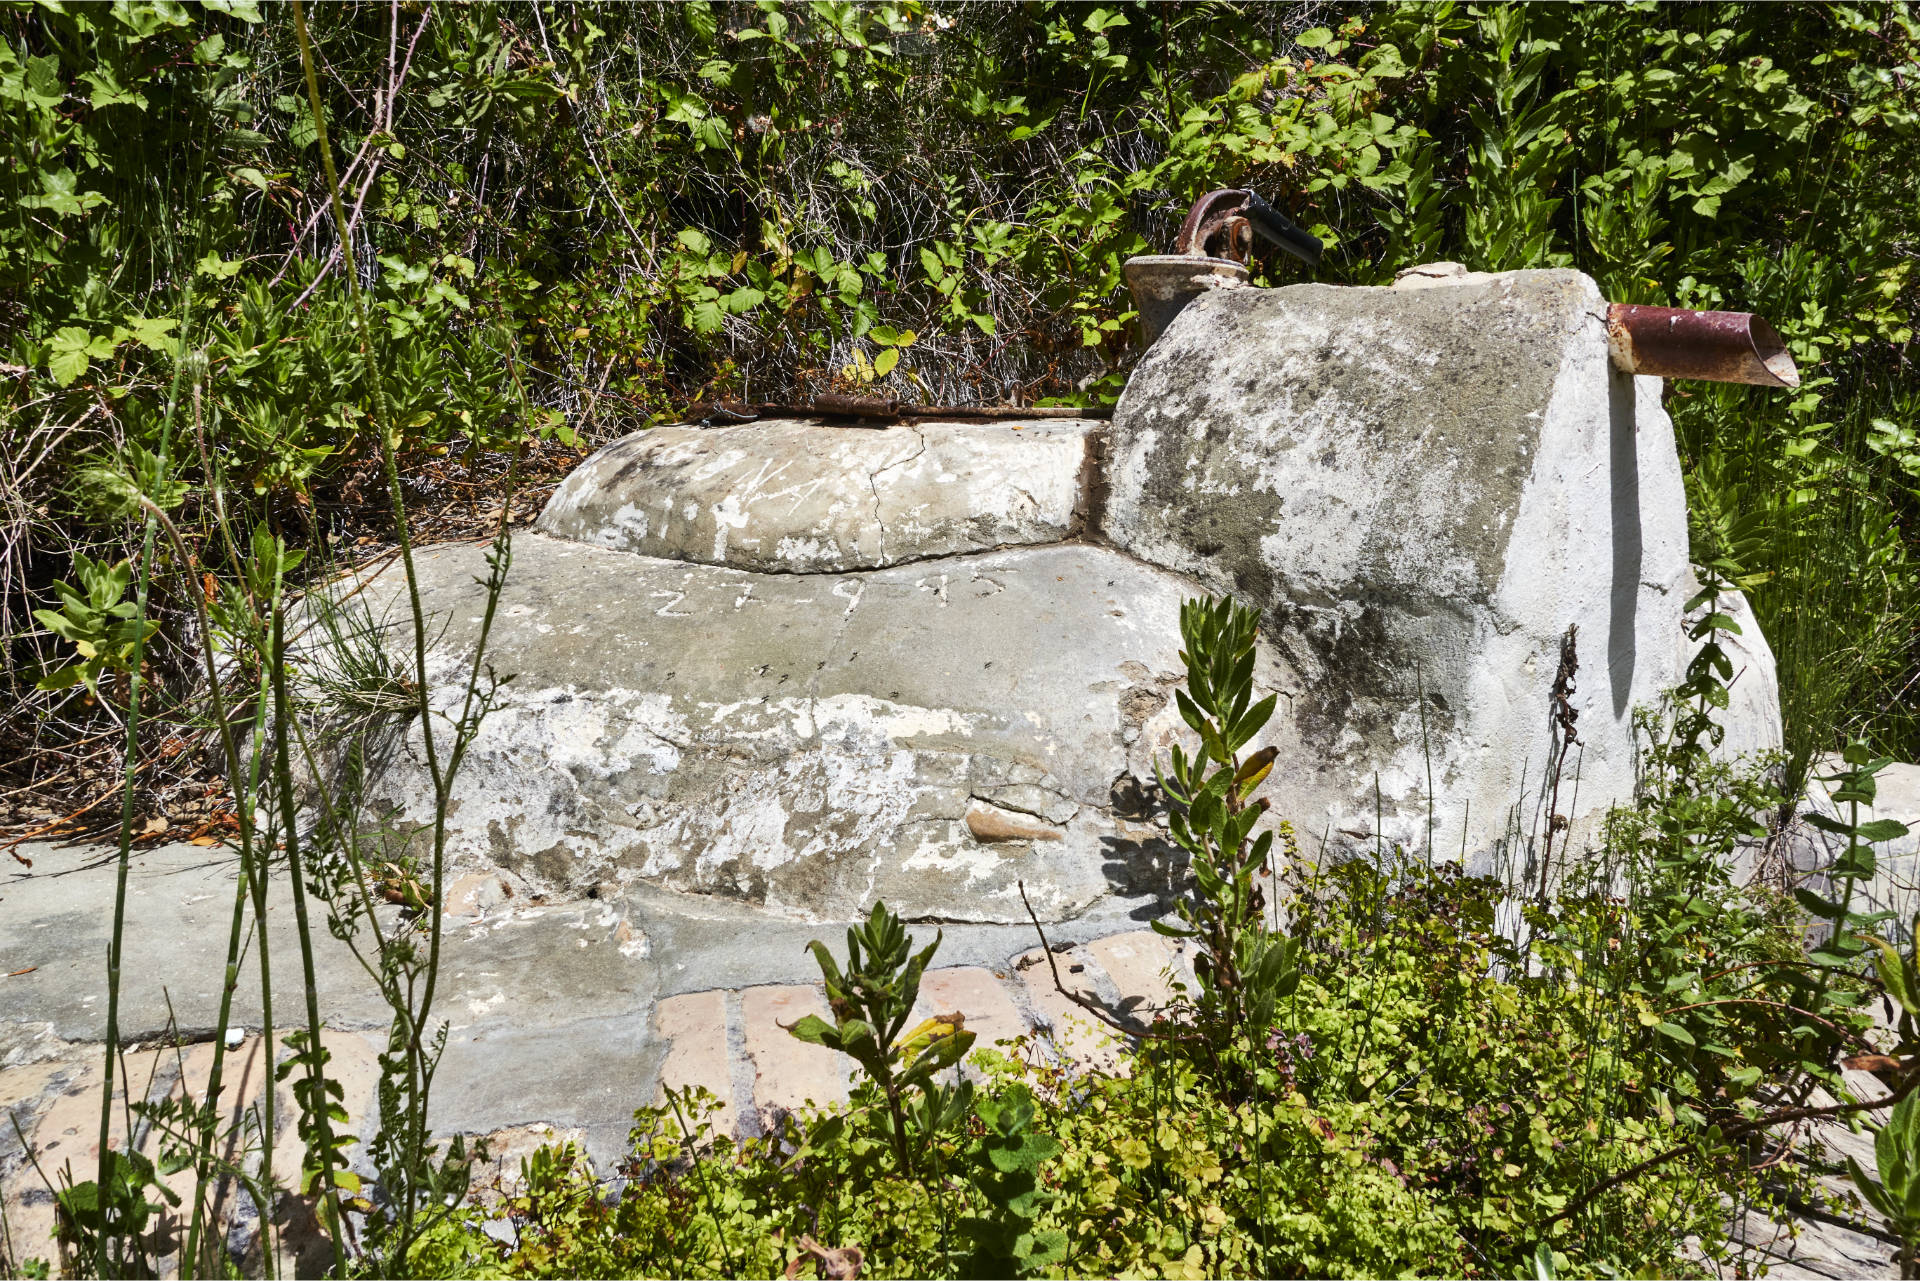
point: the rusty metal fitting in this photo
(1163, 285)
(1211, 252)
(1223, 223)
(1713, 346)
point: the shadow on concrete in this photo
(1629, 548)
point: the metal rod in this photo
(879, 410)
(1713, 346)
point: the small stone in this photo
(990, 825)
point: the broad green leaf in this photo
(212, 264)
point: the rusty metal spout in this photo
(1714, 346)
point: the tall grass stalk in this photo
(130, 772)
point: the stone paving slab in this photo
(521, 1072)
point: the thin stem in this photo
(318, 1104)
(130, 770)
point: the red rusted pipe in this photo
(1714, 346)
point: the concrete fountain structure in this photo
(767, 673)
(800, 664)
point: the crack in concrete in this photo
(1010, 807)
(1083, 539)
(873, 482)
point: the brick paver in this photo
(788, 1072)
(979, 995)
(1137, 963)
(696, 1026)
(1079, 1036)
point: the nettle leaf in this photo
(707, 315)
(301, 133)
(59, 193)
(42, 82)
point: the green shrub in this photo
(1440, 1074)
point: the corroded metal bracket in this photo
(1714, 346)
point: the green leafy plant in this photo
(98, 620)
(1007, 1161)
(110, 1218)
(1896, 1193)
(871, 1001)
(1244, 966)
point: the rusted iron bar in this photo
(1714, 346)
(880, 410)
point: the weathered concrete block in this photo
(928, 734)
(728, 684)
(801, 496)
(1422, 490)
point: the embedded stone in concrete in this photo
(474, 895)
(929, 735)
(1422, 490)
(69, 1129)
(976, 993)
(790, 495)
(788, 1072)
(65, 1141)
(695, 1026)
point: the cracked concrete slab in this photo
(930, 735)
(794, 495)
